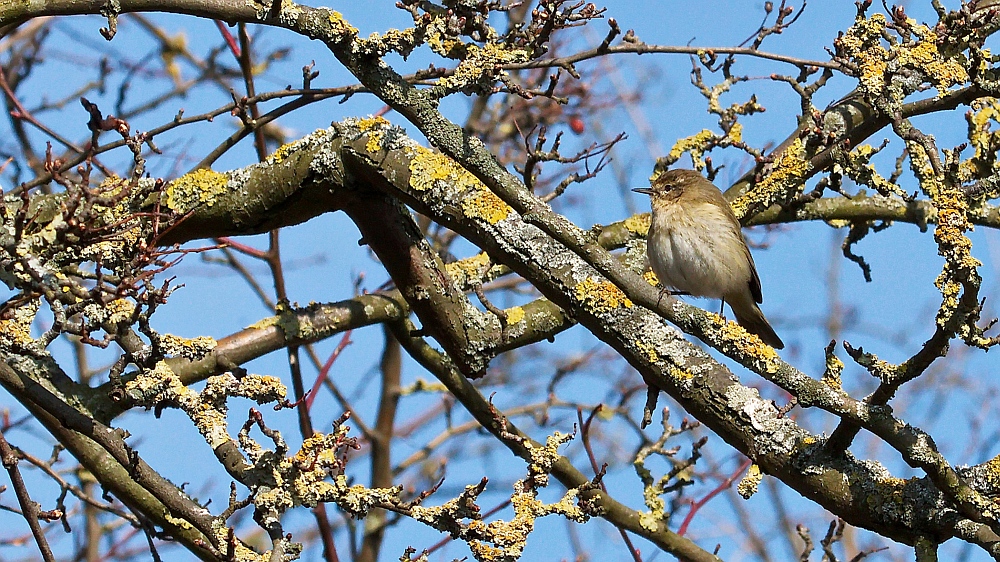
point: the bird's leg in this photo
(722, 308)
(664, 290)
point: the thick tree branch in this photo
(103, 452)
(664, 359)
(419, 273)
(618, 514)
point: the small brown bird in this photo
(695, 245)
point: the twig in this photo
(585, 437)
(696, 505)
(29, 508)
(325, 371)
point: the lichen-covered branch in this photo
(605, 506)
(103, 452)
(654, 349)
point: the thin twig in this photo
(29, 508)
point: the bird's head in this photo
(672, 183)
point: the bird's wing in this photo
(754, 278)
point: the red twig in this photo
(585, 437)
(344, 342)
(243, 248)
(230, 40)
(696, 505)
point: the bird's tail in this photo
(749, 316)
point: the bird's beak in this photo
(643, 190)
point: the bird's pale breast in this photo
(696, 249)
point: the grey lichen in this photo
(775, 435)
(189, 348)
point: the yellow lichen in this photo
(189, 348)
(943, 73)
(514, 315)
(129, 228)
(480, 64)
(442, 43)
(15, 327)
(746, 343)
(950, 290)
(831, 376)
(893, 482)
(374, 143)
(290, 11)
(206, 408)
(736, 132)
(695, 144)
(648, 521)
(505, 540)
(401, 41)
(375, 127)
(264, 323)
(200, 187)
(677, 373)
(422, 385)
(984, 140)
(282, 152)
(748, 485)
(428, 168)
(241, 552)
(601, 296)
(884, 370)
(984, 111)
(960, 272)
(374, 122)
(485, 205)
(788, 174)
(863, 44)
(991, 471)
(340, 26)
(178, 521)
(295, 326)
(649, 350)
(920, 163)
(260, 388)
(638, 224)
(120, 310)
(466, 271)
(154, 384)
(857, 167)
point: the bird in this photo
(695, 246)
